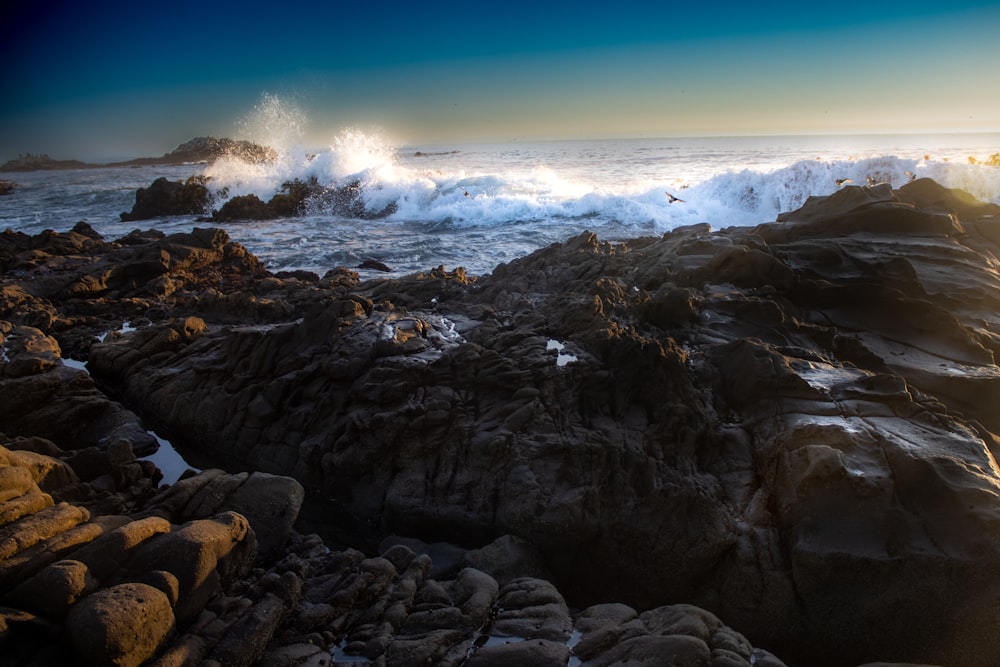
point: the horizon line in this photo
(439, 142)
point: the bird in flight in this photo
(671, 199)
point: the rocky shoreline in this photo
(675, 450)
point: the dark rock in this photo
(270, 504)
(146, 591)
(207, 149)
(165, 197)
(792, 421)
(243, 207)
(375, 265)
(6, 187)
(304, 276)
(296, 197)
(507, 558)
(788, 426)
(64, 406)
(290, 201)
(538, 652)
(926, 193)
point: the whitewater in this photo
(477, 205)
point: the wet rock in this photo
(244, 207)
(296, 197)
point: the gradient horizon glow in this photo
(123, 80)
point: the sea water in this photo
(477, 205)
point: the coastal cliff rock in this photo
(788, 427)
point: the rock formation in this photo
(790, 426)
(165, 197)
(108, 570)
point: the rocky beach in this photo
(770, 445)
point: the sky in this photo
(114, 80)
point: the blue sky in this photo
(127, 79)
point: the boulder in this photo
(165, 197)
(268, 502)
(122, 625)
(204, 555)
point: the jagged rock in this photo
(244, 207)
(792, 421)
(77, 288)
(295, 197)
(202, 149)
(788, 426)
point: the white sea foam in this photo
(483, 186)
(479, 205)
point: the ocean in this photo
(477, 205)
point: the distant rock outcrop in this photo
(40, 162)
(209, 149)
(6, 187)
(199, 149)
